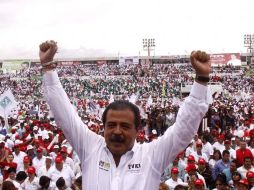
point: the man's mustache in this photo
(117, 138)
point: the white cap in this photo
(56, 146)
(154, 132)
(30, 147)
(17, 142)
(35, 128)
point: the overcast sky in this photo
(108, 27)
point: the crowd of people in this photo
(34, 153)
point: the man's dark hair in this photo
(79, 180)
(234, 161)
(123, 105)
(247, 157)
(44, 182)
(21, 176)
(60, 183)
(225, 152)
(222, 178)
(10, 170)
(180, 187)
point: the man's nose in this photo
(118, 130)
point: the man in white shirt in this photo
(247, 166)
(232, 152)
(18, 156)
(39, 160)
(43, 171)
(68, 161)
(219, 144)
(207, 147)
(59, 170)
(116, 161)
(31, 182)
(55, 152)
(199, 152)
(174, 180)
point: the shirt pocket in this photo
(132, 180)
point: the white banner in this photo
(7, 103)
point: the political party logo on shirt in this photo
(134, 168)
(104, 165)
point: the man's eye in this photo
(126, 126)
(110, 125)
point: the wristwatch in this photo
(202, 78)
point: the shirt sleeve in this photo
(178, 136)
(77, 133)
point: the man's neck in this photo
(117, 160)
(31, 178)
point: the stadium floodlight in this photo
(148, 45)
(249, 42)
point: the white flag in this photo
(7, 103)
(133, 98)
(111, 99)
(149, 102)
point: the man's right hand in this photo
(47, 52)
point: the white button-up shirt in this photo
(39, 163)
(19, 159)
(68, 175)
(31, 185)
(139, 168)
(208, 149)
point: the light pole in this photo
(249, 43)
(148, 45)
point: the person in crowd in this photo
(43, 171)
(243, 184)
(12, 177)
(198, 153)
(229, 171)
(31, 182)
(242, 152)
(59, 170)
(77, 185)
(204, 170)
(227, 144)
(222, 164)
(60, 183)
(213, 159)
(250, 178)
(163, 186)
(8, 185)
(247, 166)
(174, 180)
(207, 147)
(175, 164)
(46, 184)
(21, 176)
(199, 184)
(220, 182)
(39, 160)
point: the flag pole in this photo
(6, 121)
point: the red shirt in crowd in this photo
(241, 154)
